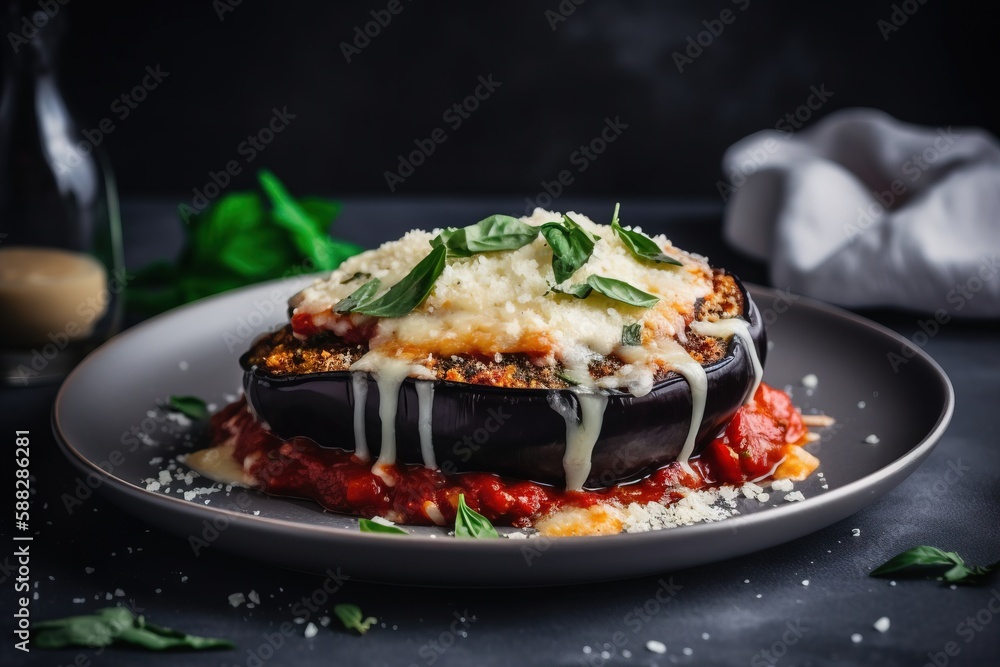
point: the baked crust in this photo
(281, 353)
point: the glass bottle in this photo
(61, 267)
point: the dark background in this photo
(606, 59)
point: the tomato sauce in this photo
(754, 443)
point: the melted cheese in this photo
(739, 328)
(425, 406)
(581, 434)
(359, 389)
(502, 302)
(389, 373)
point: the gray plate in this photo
(112, 396)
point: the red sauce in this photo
(751, 447)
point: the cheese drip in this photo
(741, 329)
(389, 373)
(581, 434)
(425, 406)
(359, 388)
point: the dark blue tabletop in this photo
(757, 610)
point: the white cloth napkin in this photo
(863, 210)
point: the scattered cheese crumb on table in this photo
(656, 647)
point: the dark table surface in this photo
(753, 610)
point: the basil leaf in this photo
(470, 524)
(580, 290)
(289, 214)
(453, 239)
(189, 406)
(573, 224)
(497, 232)
(632, 334)
(567, 379)
(117, 625)
(931, 562)
(640, 245)
(352, 618)
(622, 291)
(358, 297)
(409, 292)
(369, 526)
(571, 248)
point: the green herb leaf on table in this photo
(117, 625)
(291, 215)
(471, 524)
(571, 248)
(189, 406)
(632, 334)
(640, 245)
(370, 526)
(352, 618)
(239, 240)
(409, 292)
(492, 234)
(620, 290)
(358, 297)
(933, 563)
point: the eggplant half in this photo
(513, 432)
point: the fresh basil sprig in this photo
(620, 290)
(931, 562)
(189, 406)
(632, 334)
(471, 524)
(352, 618)
(409, 292)
(571, 247)
(497, 232)
(117, 625)
(640, 245)
(358, 297)
(369, 526)
(580, 290)
(573, 224)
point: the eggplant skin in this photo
(513, 432)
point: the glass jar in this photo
(61, 268)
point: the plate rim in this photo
(911, 458)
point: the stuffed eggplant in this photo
(549, 349)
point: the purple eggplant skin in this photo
(513, 432)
